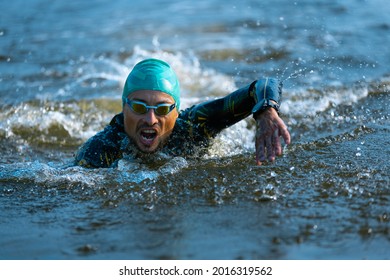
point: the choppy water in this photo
(62, 66)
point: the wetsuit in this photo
(194, 129)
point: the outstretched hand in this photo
(269, 128)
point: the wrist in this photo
(267, 94)
(266, 112)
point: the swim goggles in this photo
(141, 108)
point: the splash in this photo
(309, 102)
(237, 139)
(128, 172)
(52, 123)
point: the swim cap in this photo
(153, 74)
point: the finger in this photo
(260, 153)
(277, 144)
(259, 144)
(270, 148)
(260, 156)
(283, 131)
(286, 136)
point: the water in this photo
(62, 67)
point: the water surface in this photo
(62, 67)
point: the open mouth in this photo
(148, 136)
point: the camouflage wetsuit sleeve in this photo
(211, 117)
(197, 126)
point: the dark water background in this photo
(62, 67)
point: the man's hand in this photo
(269, 128)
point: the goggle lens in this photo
(138, 108)
(141, 108)
(162, 110)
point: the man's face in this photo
(149, 131)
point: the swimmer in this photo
(151, 119)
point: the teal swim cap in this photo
(153, 74)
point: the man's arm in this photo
(215, 115)
(262, 98)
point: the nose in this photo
(150, 118)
